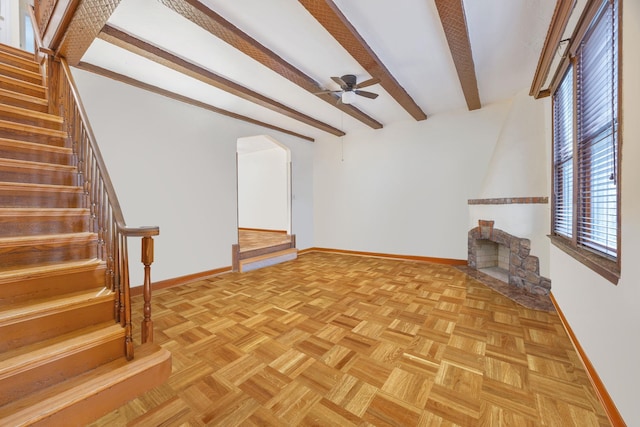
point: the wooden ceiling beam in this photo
(88, 19)
(332, 19)
(456, 31)
(163, 92)
(210, 21)
(129, 42)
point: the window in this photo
(585, 147)
(563, 156)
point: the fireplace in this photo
(506, 258)
(493, 259)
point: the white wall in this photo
(517, 169)
(403, 189)
(605, 317)
(263, 189)
(174, 165)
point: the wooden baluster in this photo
(125, 307)
(147, 260)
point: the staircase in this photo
(62, 352)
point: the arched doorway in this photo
(264, 192)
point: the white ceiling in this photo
(506, 38)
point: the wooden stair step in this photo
(31, 321)
(86, 397)
(34, 118)
(26, 251)
(20, 86)
(30, 133)
(43, 281)
(5, 49)
(20, 73)
(34, 152)
(36, 366)
(268, 259)
(17, 58)
(16, 99)
(35, 172)
(252, 253)
(18, 194)
(23, 221)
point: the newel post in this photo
(147, 260)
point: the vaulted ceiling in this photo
(264, 61)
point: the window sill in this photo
(606, 268)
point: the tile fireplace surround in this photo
(522, 270)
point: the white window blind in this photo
(597, 102)
(585, 138)
(563, 156)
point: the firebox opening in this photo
(493, 259)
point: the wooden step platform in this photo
(49, 317)
(21, 221)
(268, 259)
(264, 250)
(29, 117)
(258, 248)
(24, 101)
(37, 366)
(24, 171)
(42, 281)
(30, 133)
(20, 86)
(84, 398)
(18, 194)
(25, 251)
(5, 49)
(19, 73)
(34, 152)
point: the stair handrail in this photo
(105, 211)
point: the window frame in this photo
(605, 265)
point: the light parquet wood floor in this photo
(339, 340)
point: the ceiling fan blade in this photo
(326, 91)
(366, 94)
(366, 83)
(339, 81)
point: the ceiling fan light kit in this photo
(348, 97)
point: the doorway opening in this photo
(264, 197)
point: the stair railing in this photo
(100, 197)
(106, 215)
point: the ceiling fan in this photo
(349, 87)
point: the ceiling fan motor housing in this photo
(350, 81)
